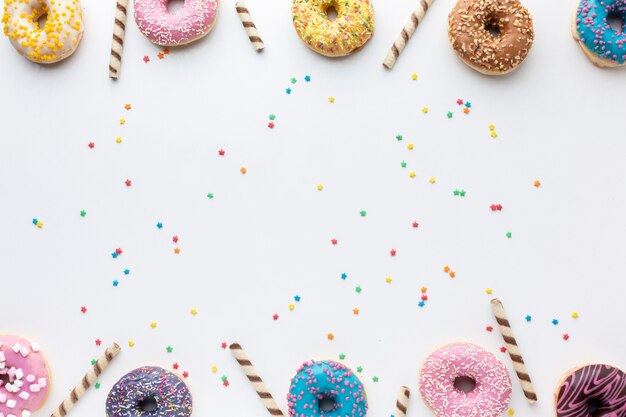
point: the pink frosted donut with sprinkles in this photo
(24, 377)
(193, 21)
(464, 380)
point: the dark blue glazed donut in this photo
(149, 391)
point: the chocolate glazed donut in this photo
(470, 26)
(592, 391)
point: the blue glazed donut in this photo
(149, 391)
(326, 389)
(604, 46)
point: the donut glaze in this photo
(59, 37)
(491, 394)
(24, 376)
(193, 21)
(602, 384)
(316, 380)
(470, 38)
(352, 28)
(172, 396)
(604, 45)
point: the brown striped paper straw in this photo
(89, 378)
(117, 44)
(514, 352)
(255, 379)
(402, 403)
(249, 26)
(409, 29)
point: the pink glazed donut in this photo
(24, 377)
(190, 23)
(490, 395)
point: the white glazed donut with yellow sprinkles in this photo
(56, 40)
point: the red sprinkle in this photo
(185, 374)
(271, 125)
(91, 145)
(175, 239)
(495, 207)
(226, 383)
(222, 152)
(83, 309)
(223, 345)
(502, 349)
(175, 366)
(98, 342)
(275, 317)
(415, 225)
(392, 252)
(128, 183)
(566, 336)
(118, 251)
(333, 241)
(489, 328)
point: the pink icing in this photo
(194, 20)
(26, 368)
(491, 394)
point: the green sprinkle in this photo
(462, 193)
(93, 361)
(169, 349)
(456, 192)
(398, 138)
(294, 80)
(359, 369)
(83, 213)
(358, 289)
(96, 385)
(342, 356)
(210, 196)
(224, 378)
(363, 213)
(375, 379)
(272, 116)
(509, 235)
(449, 115)
(403, 163)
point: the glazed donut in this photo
(352, 28)
(149, 390)
(591, 391)
(469, 23)
(190, 23)
(326, 388)
(603, 45)
(59, 37)
(490, 395)
(24, 377)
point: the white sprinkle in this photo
(43, 382)
(30, 378)
(24, 395)
(11, 403)
(16, 347)
(34, 346)
(35, 388)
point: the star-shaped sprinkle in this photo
(358, 289)
(414, 77)
(118, 139)
(459, 102)
(423, 290)
(494, 134)
(375, 379)
(98, 342)
(153, 324)
(403, 164)
(446, 269)
(355, 311)
(291, 307)
(359, 369)
(271, 125)
(159, 225)
(128, 106)
(320, 187)
(128, 183)
(331, 99)
(91, 145)
(410, 146)
(214, 369)
(452, 274)
(175, 239)
(83, 213)
(221, 152)
(468, 104)
(83, 309)
(175, 366)
(297, 298)
(93, 362)
(226, 383)
(392, 252)
(307, 78)
(330, 336)
(489, 291)
(275, 317)
(131, 343)
(169, 349)
(293, 80)
(177, 251)
(193, 311)
(511, 412)
(333, 241)
(344, 276)
(424, 109)
(166, 51)
(399, 137)
(503, 349)
(126, 271)
(243, 170)
(288, 90)
(492, 127)
(421, 303)
(146, 59)
(509, 235)
(224, 345)
(489, 328)
(224, 378)
(272, 117)
(537, 183)
(528, 317)
(555, 322)
(415, 225)
(115, 283)
(122, 121)
(432, 180)
(342, 356)
(160, 55)
(449, 114)
(388, 280)
(575, 315)
(210, 196)
(566, 337)
(96, 385)
(185, 374)
(424, 297)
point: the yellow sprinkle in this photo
(489, 291)
(511, 412)
(193, 311)
(291, 307)
(214, 369)
(424, 109)
(40, 224)
(320, 187)
(492, 127)
(575, 315)
(412, 174)
(432, 180)
(153, 324)
(494, 134)
(414, 76)
(118, 139)
(410, 146)
(388, 280)
(131, 343)
(122, 121)
(331, 99)
(176, 251)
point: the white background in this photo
(265, 237)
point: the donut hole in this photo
(327, 403)
(331, 13)
(148, 404)
(464, 384)
(175, 5)
(41, 20)
(493, 29)
(4, 379)
(615, 22)
(593, 407)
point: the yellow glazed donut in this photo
(59, 37)
(352, 28)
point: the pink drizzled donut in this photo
(490, 395)
(24, 377)
(193, 21)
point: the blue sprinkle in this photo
(555, 322)
(114, 255)
(344, 276)
(288, 90)
(468, 104)
(160, 225)
(421, 303)
(115, 283)
(297, 298)
(528, 317)
(126, 271)
(35, 221)
(307, 78)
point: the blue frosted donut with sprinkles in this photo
(326, 389)
(149, 391)
(603, 44)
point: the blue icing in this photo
(170, 393)
(596, 33)
(329, 382)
